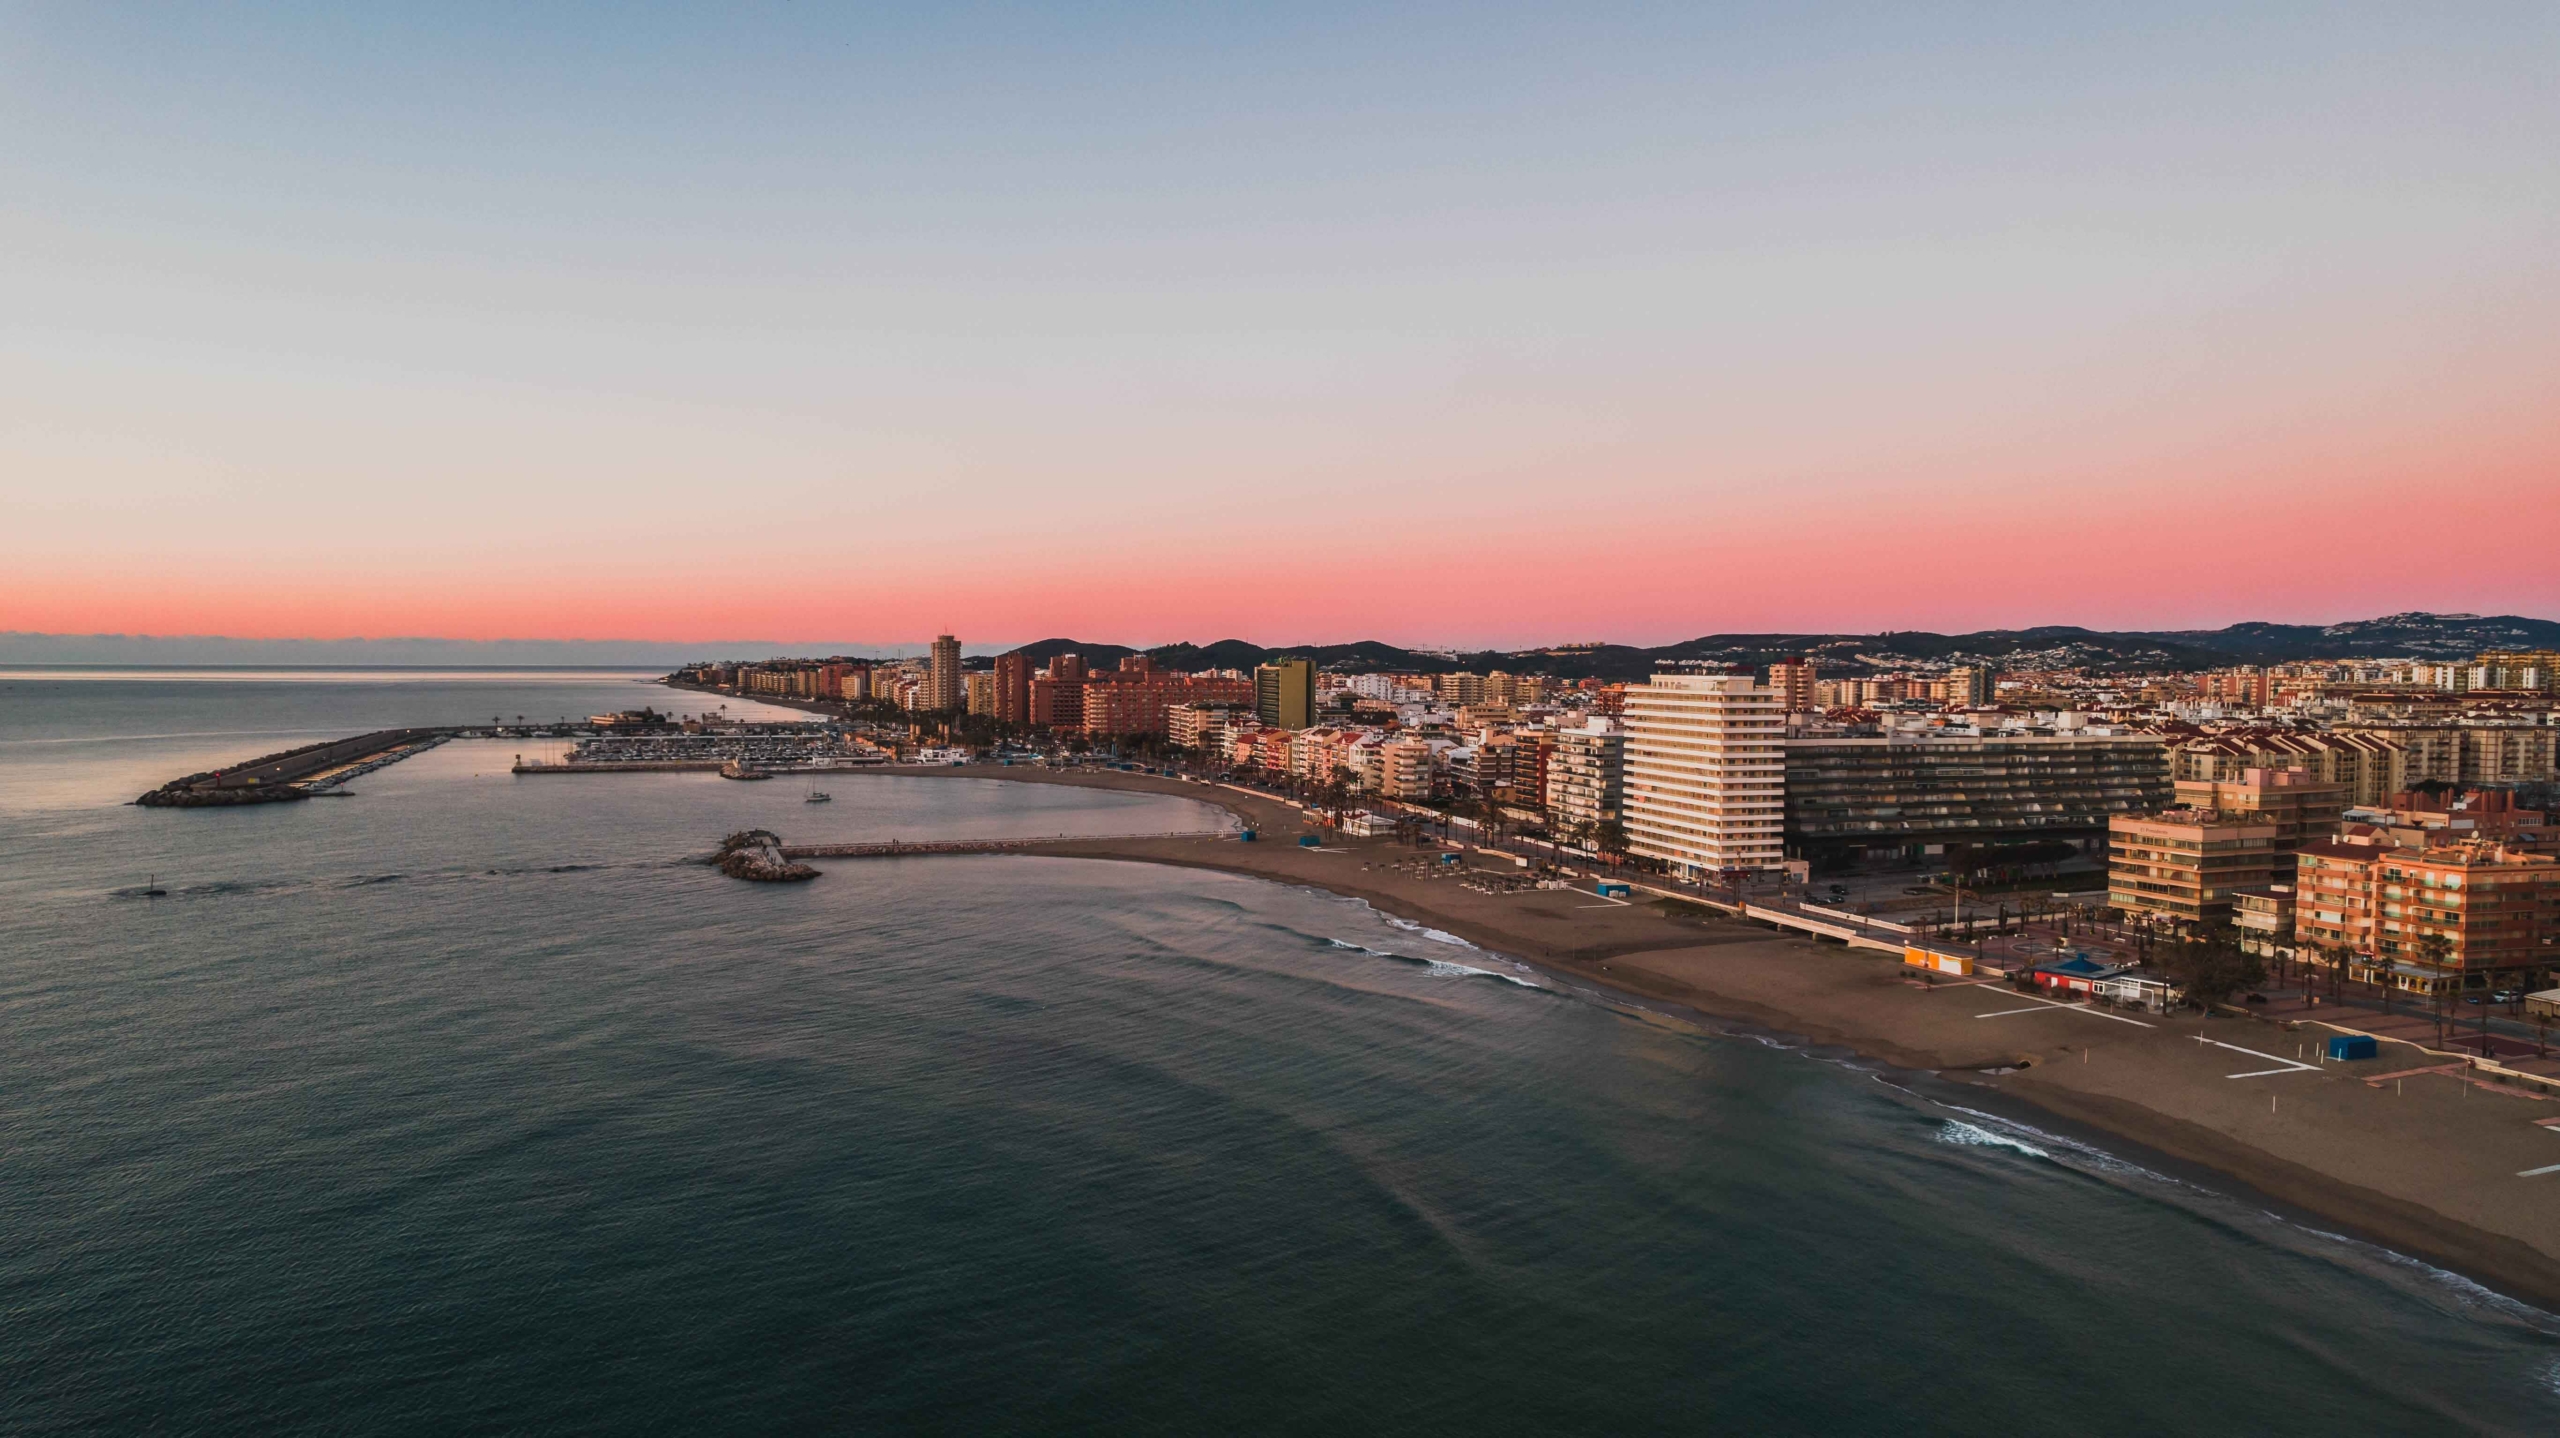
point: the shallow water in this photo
(467, 1103)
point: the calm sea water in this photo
(466, 1105)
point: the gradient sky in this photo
(1434, 324)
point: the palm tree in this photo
(2436, 952)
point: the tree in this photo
(1611, 837)
(2435, 952)
(2212, 967)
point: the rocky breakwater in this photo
(757, 854)
(193, 792)
(290, 775)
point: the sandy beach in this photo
(2427, 1163)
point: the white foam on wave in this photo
(1441, 968)
(2074, 1154)
(1957, 1131)
(1428, 933)
(2463, 1288)
(1435, 968)
(2060, 1149)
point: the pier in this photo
(294, 773)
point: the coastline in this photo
(2424, 1166)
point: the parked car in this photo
(2507, 996)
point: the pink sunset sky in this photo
(1148, 325)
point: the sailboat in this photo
(818, 795)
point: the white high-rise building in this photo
(1706, 772)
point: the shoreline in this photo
(2382, 1164)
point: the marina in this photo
(635, 742)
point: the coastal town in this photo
(2282, 922)
(2368, 834)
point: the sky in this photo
(1453, 325)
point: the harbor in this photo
(633, 742)
(767, 750)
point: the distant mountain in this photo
(2051, 646)
(2393, 636)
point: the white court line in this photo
(2083, 1008)
(2539, 1172)
(2291, 1066)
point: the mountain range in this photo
(2055, 646)
(2395, 636)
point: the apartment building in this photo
(1284, 693)
(1903, 793)
(1137, 698)
(2371, 766)
(2525, 669)
(2187, 863)
(1587, 776)
(2303, 809)
(1057, 695)
(1969, 686)
(1706, 773)
(2381, 908)
(2502, 749)
(1458, 688)
(943, 691)
(1404, 769)
(1204, 727)
(1013, 688)
(1792, 681)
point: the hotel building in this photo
(1706, 773)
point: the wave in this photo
(1992, 1130)
(2463, 1288)
(1435, 935)
(1437, 968)
(2062, 1149)
(1957, 1131)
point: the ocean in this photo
(471, 1103)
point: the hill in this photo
(2055, 646)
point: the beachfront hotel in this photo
(1706, 772)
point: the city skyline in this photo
(1640, 322)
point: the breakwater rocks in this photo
(283, 777)
(756, 854)
(183, 794)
